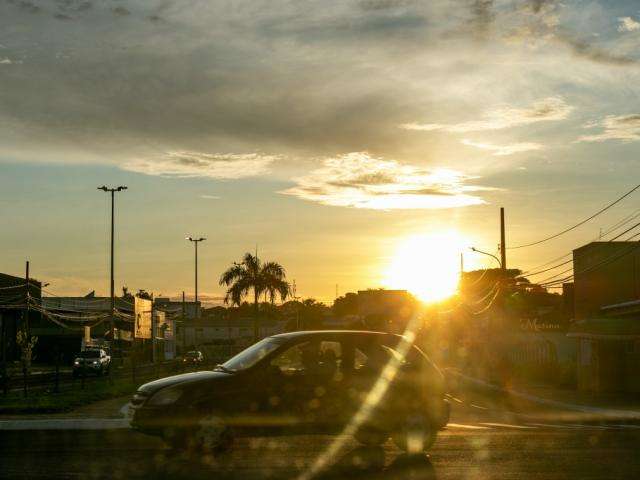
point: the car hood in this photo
(185, 378)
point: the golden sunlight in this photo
(427, 265)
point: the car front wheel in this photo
(210, 435)
(414, 434)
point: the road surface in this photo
(476, 445)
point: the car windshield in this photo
(89, 354)
(252, 355)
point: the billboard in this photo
(142, 310)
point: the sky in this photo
(325, 134)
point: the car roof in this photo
(333, 333)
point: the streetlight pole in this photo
(112, 292)
(195, 242)
(474, 249)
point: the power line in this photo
(602, 210)
(620, 224)
(550, 268)
(606, 261)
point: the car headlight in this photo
(166, 396)
(76, 362)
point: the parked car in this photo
(193, 358)
(301, 382)
(91, 361)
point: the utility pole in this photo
(195, 242)
(294, 290)
(27, 323)
(184, 326)
(503, 247)
(112, 292)
(153, 335)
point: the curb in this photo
(609, 414)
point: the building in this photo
(607, 312)
(13, 312)
(191, 310)
(221, 330)
(67, 325)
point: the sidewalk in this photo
(113, 408)
(544, 403)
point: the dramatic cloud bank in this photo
(628, 24)
(359, 180)
(196, 164)
(503, 150)
(622, 127)
(548, 109)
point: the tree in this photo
(26, 344)
(251, 275)
(346, 305)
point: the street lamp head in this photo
(121, 187)
(103, 188)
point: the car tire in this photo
(415, 434)
(371, 436)
(210, 435)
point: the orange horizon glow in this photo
(427, 265)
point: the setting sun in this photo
(427, 265)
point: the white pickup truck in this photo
(92, 361)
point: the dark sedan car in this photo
(193, 357)
(302, 382)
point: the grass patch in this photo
(49, 402)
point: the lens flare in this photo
(427, 265)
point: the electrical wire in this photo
(489, 305)
(606, 261)
(556, 235)
(14, 286)
(488, 295)
(550, 268)
(621, 223)
(530, 274)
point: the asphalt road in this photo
(469, 448)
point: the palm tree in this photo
(252, 275)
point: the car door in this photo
(299, 385)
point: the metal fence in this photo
(64, 380)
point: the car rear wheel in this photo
(415, 434)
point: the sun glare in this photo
(427, 265)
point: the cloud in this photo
(502, 150)
(196, 164)
(210, 197)
(359, 180)
(622, 127)
(584, 49)
(547, 109)
(628, 24)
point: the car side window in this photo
(360, 359)
(293, 359)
